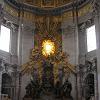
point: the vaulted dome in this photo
(47, 3)
(52, 7)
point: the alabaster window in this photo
(91, 38)
(4, 38)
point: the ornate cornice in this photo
(96, 8)
(41, 11)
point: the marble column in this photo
(1, 18)
(1, 68)
(19, 45)
(76, 22)
(0, 81)
(97, 24)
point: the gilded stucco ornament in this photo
(59, 61)
(41, 7)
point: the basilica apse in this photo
(48, 64)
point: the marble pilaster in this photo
(1, 18)
(0, 74)
(20, 44)
(97, 24)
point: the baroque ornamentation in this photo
(59, 61)
(88, 78)
(31, 16)
(96, 7)
(1, 12)
(55, 11)
(47, 74)
(48, 28)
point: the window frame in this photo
(86, 38)
(10, 37)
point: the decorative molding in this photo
(90, 68)
(28, 15)
(88, 23)
(40, 11)
(96, 8)
(1, 12)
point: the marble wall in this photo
(69, 45)
(19, 51)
